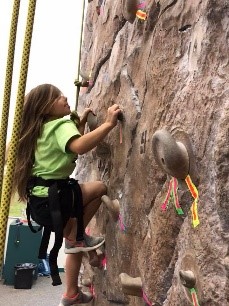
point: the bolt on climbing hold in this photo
(82, 83)
(133, 9)
(121, 119)
(98, 7)
(131, 285)
(171, 155)
(92, 121)
(86, 282)
(120, 116)
(141, 13)
(97, 259)
(129, 8)
(113, 206)
(176, 158)
(187, 278)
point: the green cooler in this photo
(22, 247)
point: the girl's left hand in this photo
(83, 118)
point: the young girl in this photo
(48, 147)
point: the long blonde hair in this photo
(37, 104)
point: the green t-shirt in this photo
(52, 159)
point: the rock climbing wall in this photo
(167, 72)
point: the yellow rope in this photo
(7, 88)
(7, 184)
(78, 68)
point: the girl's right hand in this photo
(112, 115)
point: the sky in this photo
(54, 50)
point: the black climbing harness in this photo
(55, 186)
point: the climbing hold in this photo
(120, 116)
(96, 259)
(130, 9)
(121, 119)
(86, 282)
(141, 14)
(83, 83)
(92, 121)
(98, 10)
(133, 9)
(98, 7)
(174, 157)
(84, 75)
(131, 285)
(113, 206)
(188, 278)
(103, 150)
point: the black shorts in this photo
(40, 212)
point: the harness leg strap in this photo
(55, 212)
(44, 243)
(79, 211)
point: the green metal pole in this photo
(7, 88)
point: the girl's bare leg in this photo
(72, 268)
(92, 193)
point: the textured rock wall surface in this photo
(170, 71)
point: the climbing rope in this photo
(7, 88)
(7, 184)
(79, 59)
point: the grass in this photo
(17, 208)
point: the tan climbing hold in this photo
(92, 121)
(86, 282)
(84, 75)
(131, 285)
(96, 259)
(188, 278)
(113, 206)
(174, 157)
